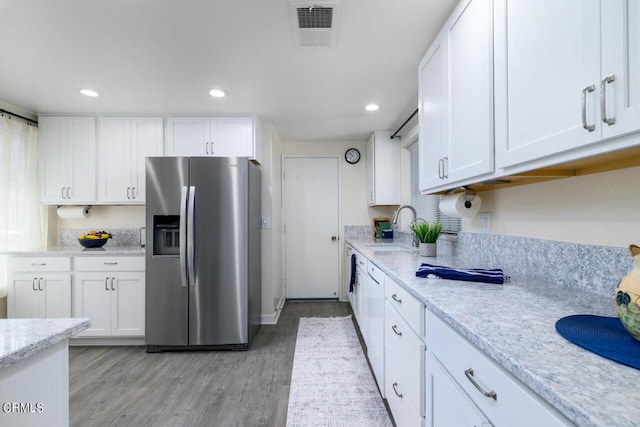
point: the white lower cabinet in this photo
(449, 406)
(113, 299)
(485, 391)
(39, 287)
(39, 295)
(404, 353)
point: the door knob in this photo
(334, 238)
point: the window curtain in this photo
(21, 214)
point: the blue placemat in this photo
(602, 335)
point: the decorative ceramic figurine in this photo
(628, 296)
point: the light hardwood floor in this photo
(125, 386)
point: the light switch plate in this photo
(484, 222)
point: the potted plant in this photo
(427, 234)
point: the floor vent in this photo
(315, 25)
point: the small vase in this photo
(628, 296)
(427, 249)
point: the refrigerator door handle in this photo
(183, 237)
(191, 233)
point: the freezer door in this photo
(218, 299)
(167, 294)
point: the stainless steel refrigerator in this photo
(202, 253)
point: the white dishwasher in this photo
(375, 322)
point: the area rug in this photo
(331, 384)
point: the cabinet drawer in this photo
(114, 263)
(404, 413)
(39, 264)
(515, 403)
(404, 357)
(407, 305)
(375, 272)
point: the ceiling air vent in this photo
(315, 24)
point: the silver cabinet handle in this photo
(395, 390)
(68, 189)
(33, 284)
(128, 193)
(212, 148)
(334, 238)
(396, 331)
(133, 193)
(62, 189)
(603, 99)
(396, 299)
(206, 148)
(445, 167)
(113, 288)
(106, 284)
(40, 288)
(491, 394)
(38, 263)
(440, 167)
(586, 90)
(110, 263)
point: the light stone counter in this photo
(514, 324)
(22, 338)
(80, 251)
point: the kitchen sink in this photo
(387, 247)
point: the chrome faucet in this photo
(394, 220)
(397, 213)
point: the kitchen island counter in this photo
(22, 338)
(514, 324)
(34, 370)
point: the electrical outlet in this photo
(265, 223)
(484, 222)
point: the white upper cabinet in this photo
(68, 159)
(567, 76)
(456, 99)
(620, 79)
(383, 169)
(224, 136)
(124, 144)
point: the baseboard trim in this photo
(272, 319)
(105, 341)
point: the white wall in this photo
(272, 276)
(600, 209)
(100, 217)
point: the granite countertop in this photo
(78, 250)
(514, 324)
(22, 338)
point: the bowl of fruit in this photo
(94, 239)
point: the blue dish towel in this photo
(495, 275)
(352, 279)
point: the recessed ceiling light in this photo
(372, 107)
(217, 93)
(89, 92)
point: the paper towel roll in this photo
(455, 205)
(73, 212)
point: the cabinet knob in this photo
(334, 238)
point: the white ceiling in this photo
(163, 56)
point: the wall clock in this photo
(352, 156)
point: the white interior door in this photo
(311, 218)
